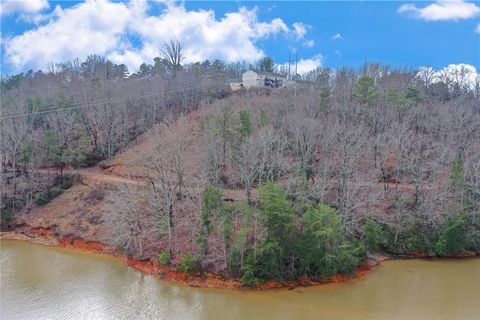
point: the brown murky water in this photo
(40, 282)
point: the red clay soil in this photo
(417, 255)
(467, 254)
(78, 243)
(39, 231)
(47, 236)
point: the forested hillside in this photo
(79, 113)
(261, 184)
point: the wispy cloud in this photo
(337, 36)
(300, 29)
(309, 43)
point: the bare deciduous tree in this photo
(258, 159)
(172, 52)
(304, 137)
(166, 161)
(129, 219)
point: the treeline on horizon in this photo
(170, 61)
(351, 163)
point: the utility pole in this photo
(296, 62)
(289, 58)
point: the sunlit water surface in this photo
(40, 282)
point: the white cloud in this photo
(337, 36)
(22, 6)
(230, 38)
(305, 65)
(300, 29)
(465, 75)
(442, 10)
(478, 28)
(90, 27)
(105, 27)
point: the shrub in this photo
(7, 215)
(345, 260)
(164, 258)
(42, 197)
(45, 196)
(454, 238)
(264, 119)
(372, 236)
(90, 159)
(408, 240)
(271, 261)
(349, 257)
(248, 273)
(66, 184)
(187, 264)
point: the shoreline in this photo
(46, 236)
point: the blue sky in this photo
(328, 33)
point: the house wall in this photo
(250, 79)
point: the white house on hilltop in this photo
(253, 78)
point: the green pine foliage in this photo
(323, 250)
(187, 264)
(312, 245)
(264, 119)
(275, 211)
(457, 174)
(164, 258)
(246, 127)
(373, 236)
(455, 237)
(365, 90)
(212, 202)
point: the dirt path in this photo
(95, 174)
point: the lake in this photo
(39, 282)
